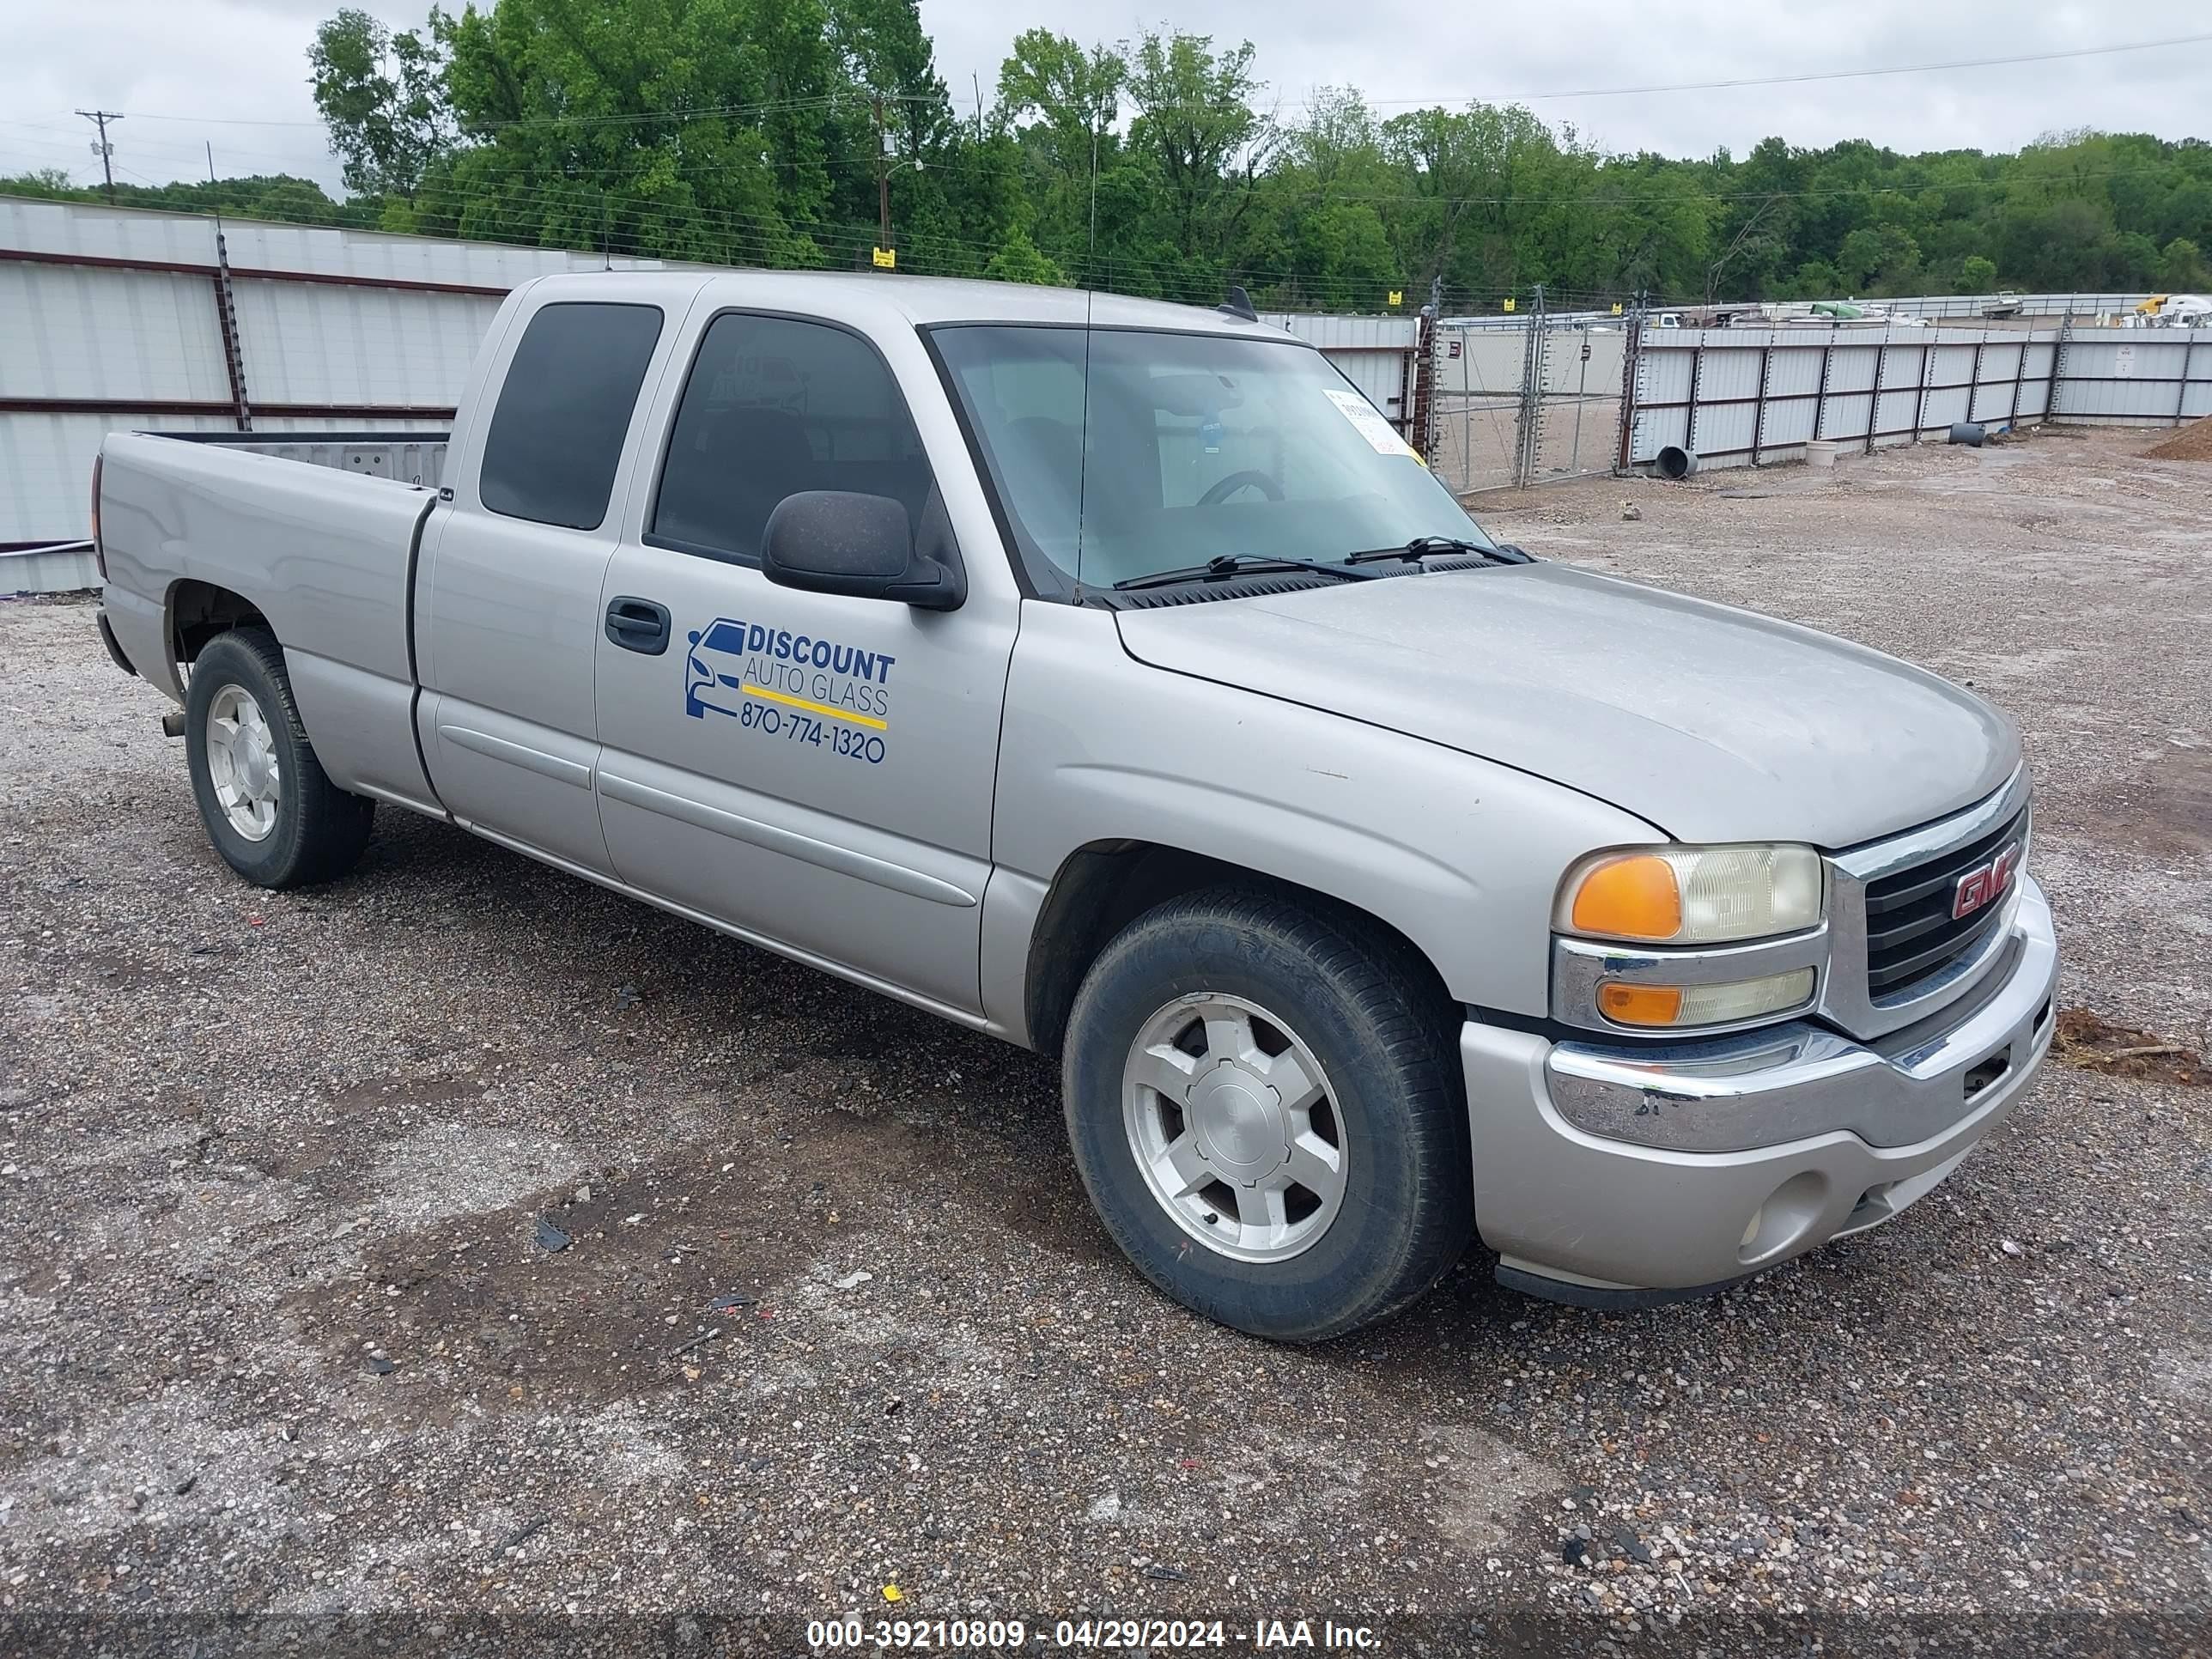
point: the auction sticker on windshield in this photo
(1366, 419)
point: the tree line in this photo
(773, 131)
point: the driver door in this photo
(814, 770)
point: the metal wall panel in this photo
(2134, 380)
(1929, 379)
(1944, 406)
(45, 468)
(1723, 430)
(317, 344)
(95, 335)
(1663, 375)
(1332, 332)
(61, 568)
(1844, 418)
(105, 233)
(1851, 368)
(1794, 371)
(45, 462)
(1728, 373)
(1788, 425)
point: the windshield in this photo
(1118, 454)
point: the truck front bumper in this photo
(1609, 1176)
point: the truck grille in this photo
(1911, 933)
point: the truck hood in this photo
(1710, 723)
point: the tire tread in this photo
(1383, 984)
(332, 824)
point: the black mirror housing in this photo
(837, 541)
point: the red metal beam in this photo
(159, 406)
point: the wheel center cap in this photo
(1237, 1121)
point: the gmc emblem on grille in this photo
(1986, 883)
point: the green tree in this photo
(380, 100)
(2181, 266)
(1196, 125)
(745, 131)
(1019, 261)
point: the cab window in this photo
(564, 409)
(773, 406)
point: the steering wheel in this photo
(1250, 478)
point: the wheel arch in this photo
(197, 611)
(1103, 886)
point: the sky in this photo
(233, 73)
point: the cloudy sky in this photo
(234, 72)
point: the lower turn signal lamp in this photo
(1675, 1006)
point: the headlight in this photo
(1691, 895)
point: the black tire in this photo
(319, 829)
(1370, 1013)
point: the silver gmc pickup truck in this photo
(1111, 677)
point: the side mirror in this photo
(833, 541)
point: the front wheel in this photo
(1263, 1107)
(267, 805)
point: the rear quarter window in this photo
(557, 433)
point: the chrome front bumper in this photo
(1608, 1172)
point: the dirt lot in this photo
(280, 1332)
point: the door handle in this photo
(638, 625)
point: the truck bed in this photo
(417, 458)
(325, 553)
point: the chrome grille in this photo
(1911, 931)
(1895, 954)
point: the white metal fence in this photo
(123, 319)
(1749, 396)
(1597, 395)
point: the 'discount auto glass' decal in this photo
(797, 687)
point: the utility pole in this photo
(106, 151)
(883, 181)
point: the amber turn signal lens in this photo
(1633, 897)
(1640, 1005)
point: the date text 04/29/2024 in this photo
(1093, 1635)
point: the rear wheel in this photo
(268, 807)
(1263, 1105)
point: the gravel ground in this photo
(280, 1334)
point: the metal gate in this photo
(1525, 400)
(1480, 375)
(1575, 406)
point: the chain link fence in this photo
(1525, 400)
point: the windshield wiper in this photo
(1422, 547)
(1239, 564)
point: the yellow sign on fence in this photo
(1616, 307)
(1397, 296)
(887, 258)
(1509, 305)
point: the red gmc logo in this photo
(1985, 882)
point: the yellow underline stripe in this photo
(815, 707)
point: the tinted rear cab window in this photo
(556, 435)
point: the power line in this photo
(859, 97)
(1820, 75)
